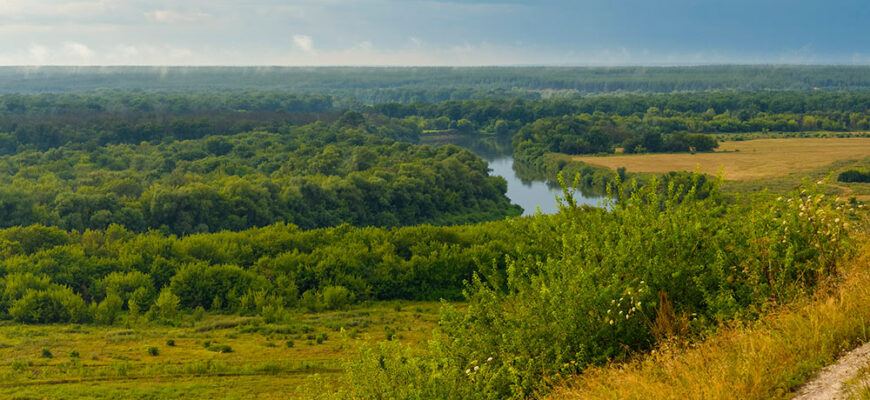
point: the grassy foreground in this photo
(225, 357)
(764, 360)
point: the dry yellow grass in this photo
(751, 159)
(767, 360)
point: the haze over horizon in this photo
(433, 32)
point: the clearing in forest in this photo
(745, 160)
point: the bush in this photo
(108, 310)
(56, 304)
(153, 351)
(322, 338)
(170, 343)
(165, 307)
(337, 297)
(854, 175)
(46, 353)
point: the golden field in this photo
(746, 160)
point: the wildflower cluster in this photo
(629, 305)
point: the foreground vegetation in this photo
(658, 264)
(764, 360)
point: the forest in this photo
(372, 85)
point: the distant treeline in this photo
(44, 121)
(433, 84)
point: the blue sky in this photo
(433, 32)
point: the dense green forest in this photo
(44, 121)
(52, 275)
(315, 175)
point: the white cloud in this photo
(169, 16)
(304, 43)
(77, 51)
(38, 54)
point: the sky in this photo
(434, 32)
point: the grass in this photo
(137, 361)
(746, 160)
(767, 359)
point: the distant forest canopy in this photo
(372, 85)
(45, 121)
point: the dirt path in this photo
(828, 384)
(847, 192)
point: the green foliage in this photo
(165, 308)
(153, 351)
(854, 175)
(46, 353)
(612, 284)
(107, 311)
(55, 304)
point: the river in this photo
(530, 194)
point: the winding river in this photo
(531, 195)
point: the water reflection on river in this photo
(530, 194)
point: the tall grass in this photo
(763, 360)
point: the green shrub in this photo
(854, 175)
(56, 304)
(153, 351)
(290, 344)
(46, 353)
(337, 297)
(108, 310)
(165, 307)
(170, 343)
(321, 338)
(74, 354)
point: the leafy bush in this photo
(337, 297)
(854, 175)
(165, 307)
(108, 309)
(56, 304)
(655, 259)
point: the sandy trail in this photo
(829, 383)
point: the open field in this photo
(746, 160)
(115, 362)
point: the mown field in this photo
(228, 357)
(746, 160)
